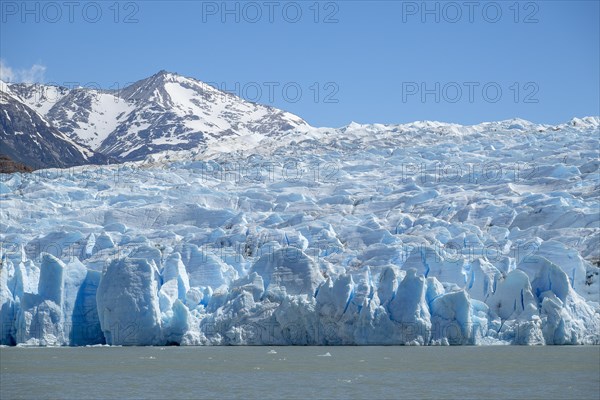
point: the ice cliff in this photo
(425, 234)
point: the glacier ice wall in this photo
(422, 234)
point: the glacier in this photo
(418, 234)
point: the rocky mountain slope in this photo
(163, 112)
(28, 138)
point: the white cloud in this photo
(6, 73)
(34, 74)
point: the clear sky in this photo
(363, 61)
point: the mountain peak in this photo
(164, 73)
(162, 77)
(165, 111)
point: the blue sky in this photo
(363, 61)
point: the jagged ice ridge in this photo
(425, 233)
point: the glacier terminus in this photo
(418, 234)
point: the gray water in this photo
(300, 372)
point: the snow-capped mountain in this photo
(163, 112)
(28, 138)
(87, 116)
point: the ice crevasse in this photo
(374, 246)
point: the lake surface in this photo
(300, 372)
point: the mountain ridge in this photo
(27, 138)
(168, 112)
(165, 111)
